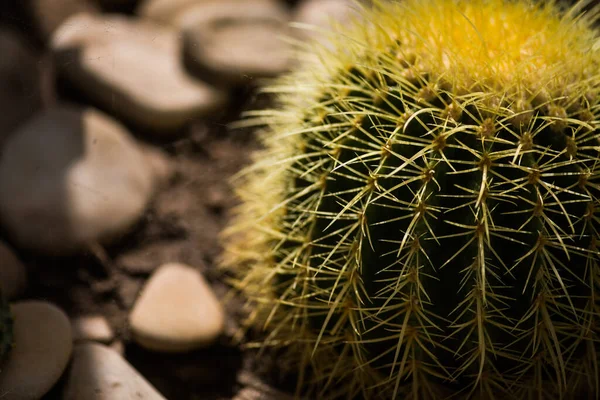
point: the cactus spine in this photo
(423, 220)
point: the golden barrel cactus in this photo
(422, 221)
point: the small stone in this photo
(133, 69)
(163, 10)
(70, 178)
(177, 311)
(48, 15)
(233, 41)
(249, 393)
(255, 389)
(13, 276)
(43, 346)
(92, 328)
(20, 93)
(118, 347)
(321, 14)
(100, 373)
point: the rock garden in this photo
(116, 151)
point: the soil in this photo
(182, 225)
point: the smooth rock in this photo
(133, 69)
(177, 311)
(253, 388)
(163, 10)
(20, 94)
(92, 328)
(70, 178)
(249, 393)
(100, 373)
(43, 346)
(118, 346)
(173, 12)
(233, 42)
(13, 276)
(48, 15)
(322, 15)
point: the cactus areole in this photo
(422, 222)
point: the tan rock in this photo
(170, 11)
(72, 177)
(100, 373)
(134, 69)
(321, 16)
(92, 328)
(234, 43)
(48, 15)
(43, 346)
(177, 311)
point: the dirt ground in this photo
(182, 225)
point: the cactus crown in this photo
(423, 219)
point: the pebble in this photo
(322, 15)
(20, 93)
(253, 388)
(43, 347)
(100, 373)
(249, 393)
(48, 15)
(13, 276)
(233, 42)
(133, 69)
(72, 177)
(163, 10)
(177, 311)
(92, 328)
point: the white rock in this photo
(134, 69)
(69, 178)
(43, 346)
(234, 42)
(177, 311)
(92, 328)
(13, 276)
(99, 373)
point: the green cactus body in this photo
(6, 339)
(423, 219)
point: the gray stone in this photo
(134, 70)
